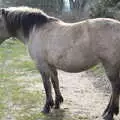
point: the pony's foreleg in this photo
(113, 106)
(55, 82)
(45, 73)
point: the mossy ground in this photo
(20, 99)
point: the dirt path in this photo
(85, 95)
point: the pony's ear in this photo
(2, 11)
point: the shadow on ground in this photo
(56, 115)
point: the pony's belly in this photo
(77, 63)
(76, 67)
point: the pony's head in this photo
(4, 34)
(20, 19)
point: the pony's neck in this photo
(21, 37)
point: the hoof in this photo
(48, 106)
(46, 110)
(51, 104)
(59, 100)
(108, 117)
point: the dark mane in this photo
(24, 18)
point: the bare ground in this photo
(86, 96)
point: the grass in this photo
(20, 99)
(98, 70)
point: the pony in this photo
(72, 47)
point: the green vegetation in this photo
(106, 8)
(20, 98)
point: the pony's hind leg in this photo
(55, 82)
(45, 73)
(113, 106)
